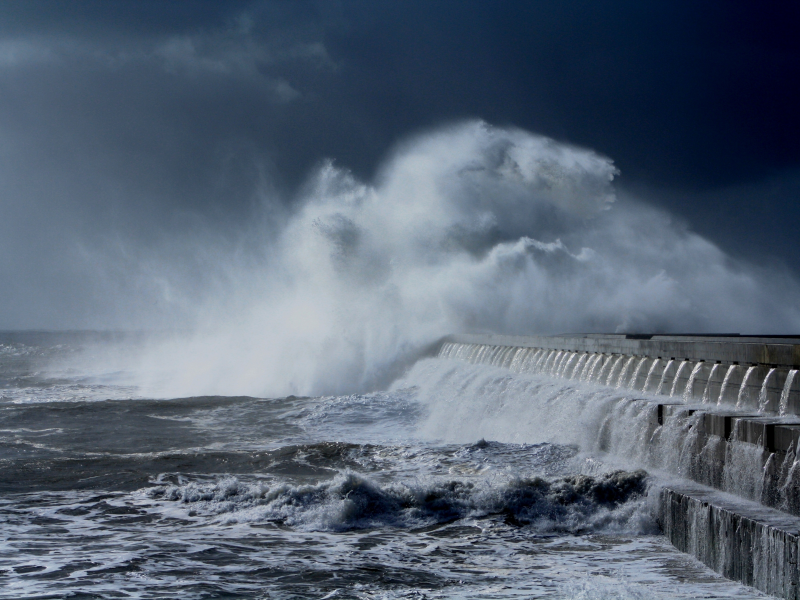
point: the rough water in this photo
(449, 484)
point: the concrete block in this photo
(771, 433)
(784, 437)
(743, 541)
(721, 424)
(759, 431)
(669, 410)
(793, 394)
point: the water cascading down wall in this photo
(720, 412)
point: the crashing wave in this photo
(573, 504)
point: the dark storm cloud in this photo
(128, 120)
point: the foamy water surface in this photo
(448, 485)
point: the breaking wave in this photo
(572, 504)
(470, 227)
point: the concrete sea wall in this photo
(746, 543)
(747, 372)
(722, 411)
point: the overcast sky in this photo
(136, 120)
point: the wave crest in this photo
(573, 504)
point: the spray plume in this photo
(469, 227)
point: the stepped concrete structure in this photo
(727, 407)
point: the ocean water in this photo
(458, 481)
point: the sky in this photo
(132, 125)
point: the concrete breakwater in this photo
(757, 374)
(741, 541)
(723, 411)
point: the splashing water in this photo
(676, 380)
(617, 362)
(730, 372)
(580, 366)
(552, 363)
(687, 393)
(568, 365)
(623, 373)
(648, 379)
(636, 372)
(787, 388)
(743, 397)
(589, 369)
(707, 391)
(468, 227)
(664, 375)
(542, 361)
(763, 397)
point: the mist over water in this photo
(466, 228)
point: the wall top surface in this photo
(777, 351)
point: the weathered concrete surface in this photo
(729, 370)
(773, 351)
(740, 540)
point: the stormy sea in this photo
(457, 480)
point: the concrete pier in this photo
(725, 409)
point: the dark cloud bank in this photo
(160, 163)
